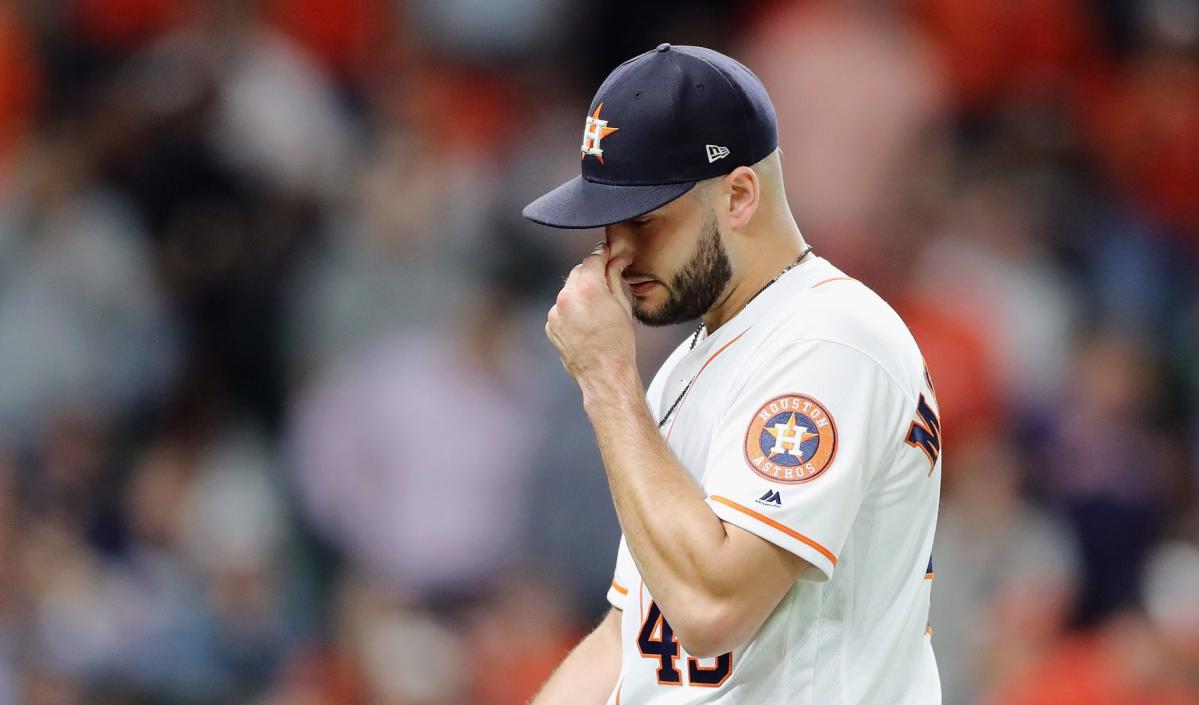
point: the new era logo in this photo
(770, 499)
(715, 152)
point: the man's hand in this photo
(591, 324)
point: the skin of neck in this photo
(758, 230)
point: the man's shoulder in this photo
(850, 312)
(844, 314)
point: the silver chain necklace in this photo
(695, 336)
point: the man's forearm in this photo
(674, 536)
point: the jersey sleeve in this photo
(624, 578)
(796, 452)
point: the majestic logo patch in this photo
(715, 152)
(594, 131)
(791, 439)
(770, 498)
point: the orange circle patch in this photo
(791, 439)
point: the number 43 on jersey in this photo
(657, 641)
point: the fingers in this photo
(551, 326)
(593, 264)
(591, 270)
(598, 270)
(613, 269)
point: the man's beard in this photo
(697, 286)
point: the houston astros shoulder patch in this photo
(791, 439)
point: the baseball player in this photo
(777, 484)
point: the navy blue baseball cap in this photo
(659, 123)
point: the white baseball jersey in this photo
(810, 421)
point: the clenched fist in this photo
(591, 324)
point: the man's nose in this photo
(619, 241)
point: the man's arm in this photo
(714, 582)
(589, 672)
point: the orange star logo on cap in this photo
(594, 131)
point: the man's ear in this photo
(743, 192)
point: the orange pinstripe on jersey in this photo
(641, 600)
(834, 279)
(620, 588)
(781, 527)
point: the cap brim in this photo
(580, 203)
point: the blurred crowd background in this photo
(279, 424)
